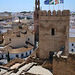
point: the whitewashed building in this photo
(16, 53)
(18, 42)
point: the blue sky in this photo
(28, 5)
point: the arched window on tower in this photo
(37, 16)
(52, 31)
(37, 6)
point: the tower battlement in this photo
(54, 16)
(54, 13)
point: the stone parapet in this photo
(54, 13)
(59, 15)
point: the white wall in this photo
(13, 56)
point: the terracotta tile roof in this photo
(20, 50)
(17, 50)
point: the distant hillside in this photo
(25, 12)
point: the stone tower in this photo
(36, 19)
(53, 32)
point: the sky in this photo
(28, 5)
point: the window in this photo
(72, 50)
(37, 16)
(37, 6)
(30, 52)
(2, 56)
(26, 42)
(22, 55)
(28, 39)
(26, 53)
(72, 44)
(9, 39)
(6, 55)
(17, 56)
(52, 31)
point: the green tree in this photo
(23, 12)
(29, 18)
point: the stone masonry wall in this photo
(64, 66)
(59, 21)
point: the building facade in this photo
(53, 32)
(18, 37)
